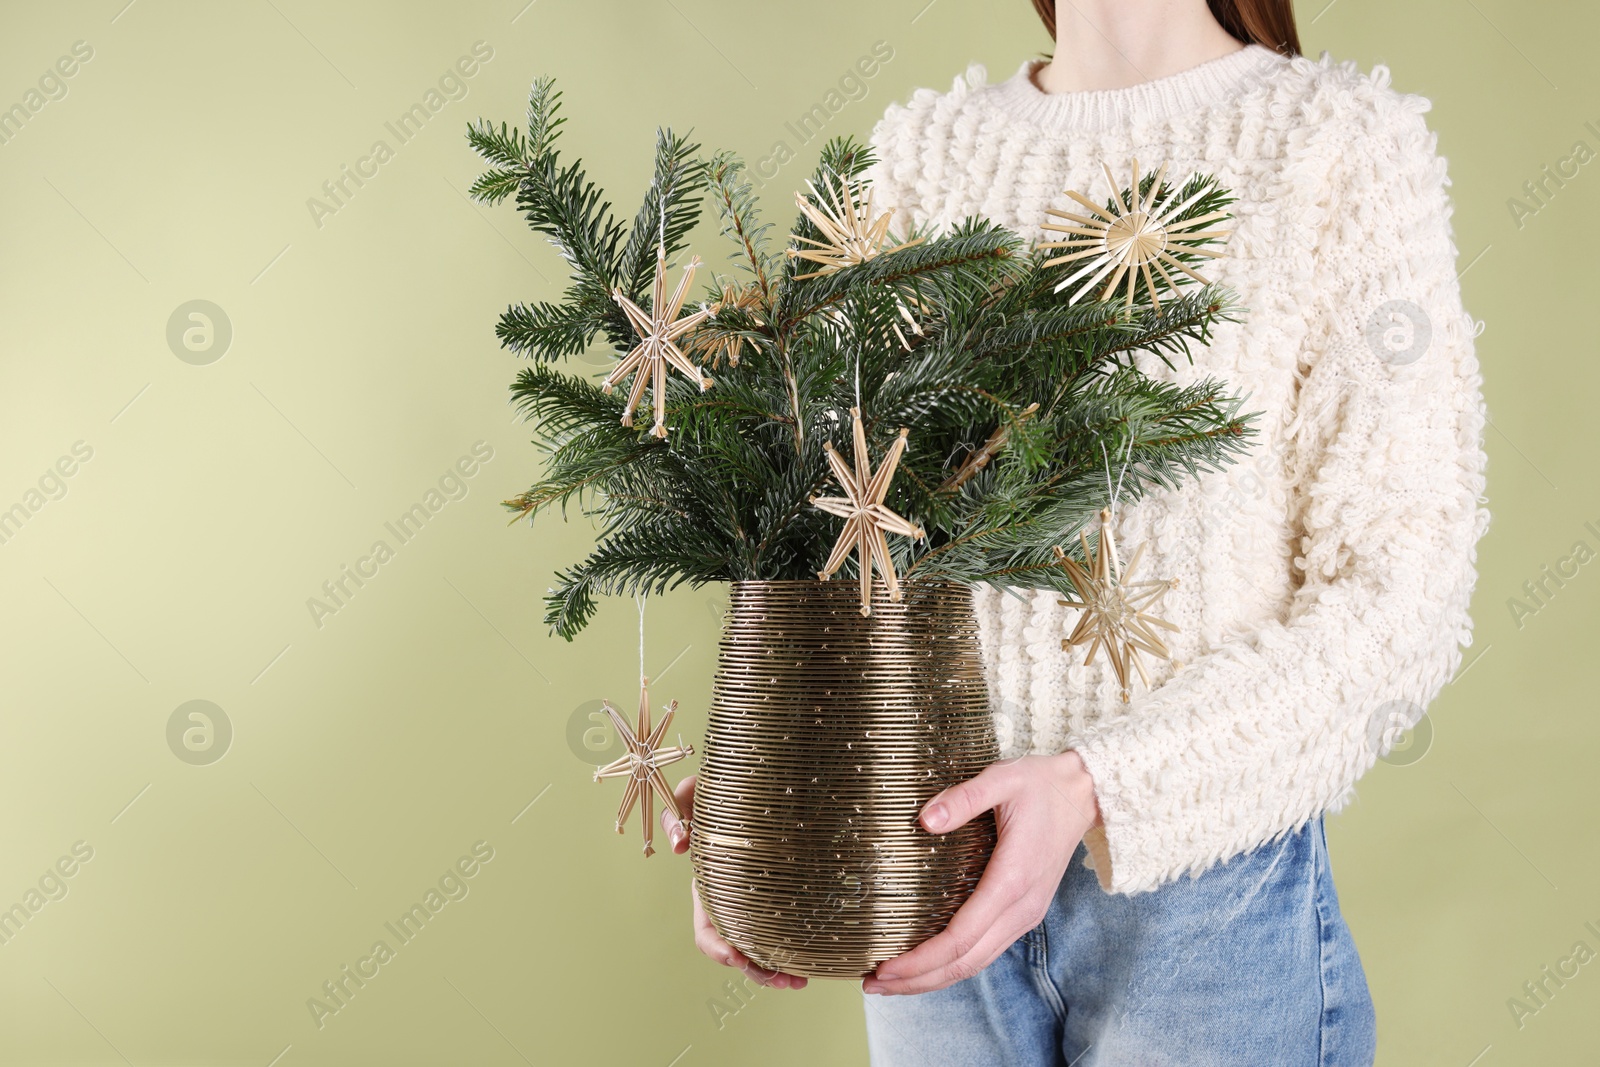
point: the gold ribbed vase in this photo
(828, 731)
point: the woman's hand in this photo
(1042, 806)
(706, 938)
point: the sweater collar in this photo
(1096, 109)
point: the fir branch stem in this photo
(981, 458)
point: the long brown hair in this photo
(1264, 22)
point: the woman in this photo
(1160, 893)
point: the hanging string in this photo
(1116, 490)
(661, 223)
(638, 598)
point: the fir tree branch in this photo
(736, 204)
(547, 331)
(670, 209)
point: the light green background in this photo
(368, 754)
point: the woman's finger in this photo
(1003, 882)
(714, 946)
(964, 801)
(708, 941)
(677, 830)
(706, 938)
(1003, 885)
(994, 941)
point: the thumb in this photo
(684, 795)
(959, 804)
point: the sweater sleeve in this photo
(1264, 732)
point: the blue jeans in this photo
(1248, 965)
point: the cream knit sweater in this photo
(1325, 578)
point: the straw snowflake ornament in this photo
(658, 330)
(852, 234)
(1116, 611)
(866, 517)
(642, 764)
(1133, 240)
(707, 344)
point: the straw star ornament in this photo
(706, 342)
(1116, 611)
(1132, 241)
(642, 764)
(659, 330)
(852, 235)
(866, 517)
